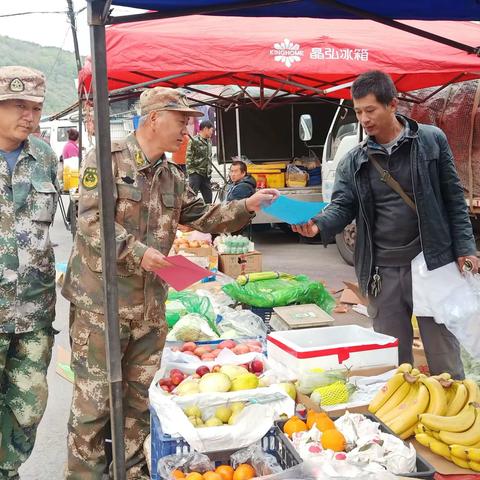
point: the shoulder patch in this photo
(90, 178)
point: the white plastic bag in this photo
(451, 298)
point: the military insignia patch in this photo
(139, 160)
(16, 85)
(90, 178)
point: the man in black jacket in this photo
(390, 231)
(241, 184)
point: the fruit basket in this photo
(274, 442)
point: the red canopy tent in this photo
(301, 55)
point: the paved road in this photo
(280, 252)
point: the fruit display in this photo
(211, 352)
(244, 471)
(226, 414)
(181, 242)
(348, 445)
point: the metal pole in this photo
(78, 60)
(107, 229)
(237, 121)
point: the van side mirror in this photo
(305, 128)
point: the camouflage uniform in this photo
(151, 200)
(27, 298)
(199, 166)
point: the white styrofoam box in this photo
(331, 347)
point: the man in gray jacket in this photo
(430, 215)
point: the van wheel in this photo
(346, 243)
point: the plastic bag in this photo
(192, 327)
(296, 177)
(188, 462)
(280, 292)
(264, 463)
(309, 380)
(451, 298)
(241, 323)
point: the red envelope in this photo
(183, 273)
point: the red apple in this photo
(207, 357)
(227, 344)
(188, 347)
(256, 366)
(177, 379)
(215, 353)
(202, 370)
(165, 381)
(164, 387)
(200, 351)
(240, 349)
(175, 371)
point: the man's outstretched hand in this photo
(262, 198)
(153, 260)
(308, 229)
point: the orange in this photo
(177, 474)
(225, 471)
(333, 440)
(324, 423)
(194, 476)
(293, 425)
(244, 472)
(312, 417)
(211, 476)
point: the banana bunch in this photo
(455, 435)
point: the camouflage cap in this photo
(163, 98)
(17, 82)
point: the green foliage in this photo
(58, 65)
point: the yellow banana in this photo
(471, 386)
(459, 462)
(423, 439)
(402, 406)
(404, 368)
(407, 433)
(440, 448)
(394, 400)
(415, 372)
(438, 399)
(475, 466)
(442, 376)
(386, 392)
(459, 451)
(472, 453)
(466, 437)
(458, 399)
(457, 423)
(409, 417)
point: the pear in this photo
(246, 381)
(195, 421)
(193, 411)
(223, 413)
(233, 418)
(213, 422)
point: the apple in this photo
(177, 379)
(165, 381)
(227, 344)
(216, 352)
(202, 370)
(200, 351)
(175, 371)
(240, 349)
(189, 347)
(256, 366)
(254, 348)
(216, 368)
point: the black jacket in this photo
(243, 189)
(445, 228)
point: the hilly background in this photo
(58, 66)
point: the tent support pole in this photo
(107, 230)
(237, 123)
(401, 26)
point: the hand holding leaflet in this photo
(294, 212)
(182, 274)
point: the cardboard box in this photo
(303, 316)
(206, 257)
(363, 372)
(234, 265)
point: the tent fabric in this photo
(404, 9)
(309, 52)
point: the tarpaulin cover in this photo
(314, 52)
(404, 9)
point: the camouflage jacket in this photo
(199, 156)
(28, 202)
(150, 202)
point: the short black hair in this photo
(242, 165)
(205, 124)
(376, 82)
(72, 134)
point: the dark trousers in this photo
(201, 183)
(391, 312)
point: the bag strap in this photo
(392, 183)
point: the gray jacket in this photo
(445, 228)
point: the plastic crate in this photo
(264, 313)
(423, 468)
(274, 442)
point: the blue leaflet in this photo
(292, 211)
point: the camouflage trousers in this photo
(142, 341)
(24, 360)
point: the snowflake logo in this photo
(286, 52)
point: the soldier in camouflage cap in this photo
(28, 200)
(152, 198)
